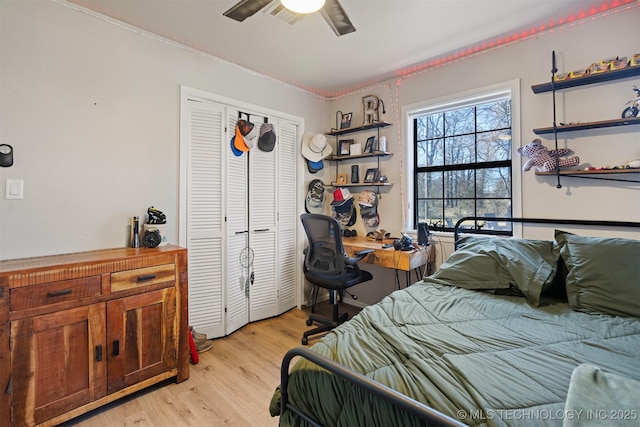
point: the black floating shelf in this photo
(336, 157)
(589, 125)
(592, 172)
(375, 125)
(367, 184)
(588, 79)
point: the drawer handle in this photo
(116, 347)
(58, 293)
(146, 277)
(99, 353)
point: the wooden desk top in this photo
(388, 257)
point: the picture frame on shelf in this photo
(346, 121)
(342, 178)
(368, 146)
(344, 147)
(371, 176)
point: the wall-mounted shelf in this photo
(556, 85)
(375, 125)
(375, 184)
(594, 174)
(588, 79)
(335, 157)
(589, 125)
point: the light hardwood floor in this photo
(230, 386)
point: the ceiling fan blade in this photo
(337, 18)
(245, 8)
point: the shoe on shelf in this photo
(197, 336)
(203, 346)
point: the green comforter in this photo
(479, 358)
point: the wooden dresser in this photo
(81, 330)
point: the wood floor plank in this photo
(231, 386)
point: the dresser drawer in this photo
(128, 279)
(54, 292)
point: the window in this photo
(463, 161)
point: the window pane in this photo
(458, 122)
(460, 150)
(429, 185)
(494, 207)
(421, 128)
(494, 146)
(433, 215)
(456, 209)
(432, 153)
(494, 115)
(493, 182)
(459, 184)
(435, 126)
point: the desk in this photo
(389, 257)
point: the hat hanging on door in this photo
(267, 139)
(234, 150)
(238, 141)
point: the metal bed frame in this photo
(419, 410)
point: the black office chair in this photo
(327, 266)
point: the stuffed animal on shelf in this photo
(546, 160)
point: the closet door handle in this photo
(116, 347)
(260, 230)
(99, 353)
(242, 232)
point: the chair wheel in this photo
(309, 322)
(305, 341)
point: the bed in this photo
(507, 332)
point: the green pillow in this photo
(603, 273)
(491, 263)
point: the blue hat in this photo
(235, 151)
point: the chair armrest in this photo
(363, 252)
(358, 256)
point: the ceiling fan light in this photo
(303, 6)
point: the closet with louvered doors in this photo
(241, 236)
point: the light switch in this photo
(15, 189)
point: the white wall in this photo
(577, 46)
(91, 109)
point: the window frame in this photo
(454, 101)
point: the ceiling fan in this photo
(332, 12)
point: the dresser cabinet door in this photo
(58, 362)
(142, 337)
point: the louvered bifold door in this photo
(262, 225)
(205, 219)
(287, 215)
(237, 291)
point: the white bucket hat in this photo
(315, 147)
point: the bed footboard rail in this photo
(419, 410)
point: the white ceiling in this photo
(392, 36)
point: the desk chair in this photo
(327, 266)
